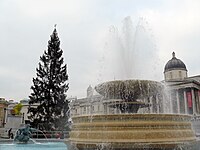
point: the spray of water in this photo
(130, 52)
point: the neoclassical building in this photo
(183, 95)
(183, 91)
(92, 104)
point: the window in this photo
(171, 76)
(84, 109)
(92, 108)
(180, 74)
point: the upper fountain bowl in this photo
(129, 90)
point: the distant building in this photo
(11, 119)
(91, 104)
(183, 91)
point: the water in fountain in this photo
(21, 143)
(41, 146)
(42, 134)
(130, 53)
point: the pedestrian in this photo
(9, 133)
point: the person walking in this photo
(9, 133)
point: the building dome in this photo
(175, 69)
(174, 63)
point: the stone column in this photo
(193, 102)
(178, 102)
(185, 102)
(198, 102)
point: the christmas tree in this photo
(48, 106)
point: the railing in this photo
(50, 134)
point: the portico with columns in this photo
(184, 91)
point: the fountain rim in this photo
(118, 89)
(133, 115)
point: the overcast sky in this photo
(82, 26)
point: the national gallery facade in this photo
(184, 91)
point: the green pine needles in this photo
(48, 106)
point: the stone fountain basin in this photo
(122, 131)
(130, 90)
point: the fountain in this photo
(129, 129)
(129, 91)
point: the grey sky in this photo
(82, 27)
